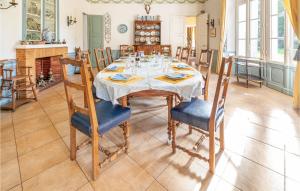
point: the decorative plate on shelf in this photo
(138, 27)
(122, 28)
(152, 33)
(142, 39)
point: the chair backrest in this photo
(100, 58)
(86, 56)
(206, 59)
(166, 50)
(83, 86)
(222, 87)
(185, 53)
(125, 50)
(109, 55)
(178, 52)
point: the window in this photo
(264, 31)
(293, 46)
(277, 33)
(33, 20)
(50, 16)
(242, 27)
(39, 15)
(255, 28)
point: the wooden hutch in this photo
(147, 36)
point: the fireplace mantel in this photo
(26, 55)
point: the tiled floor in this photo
(262, 148)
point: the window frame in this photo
(266, 36)
(24, 19)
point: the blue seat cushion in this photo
(108, 116)
(196, 113)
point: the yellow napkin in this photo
(131, 80)
(119, 70)
(178, 69)
(173, 81)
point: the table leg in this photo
(170, 105)
(124, 101)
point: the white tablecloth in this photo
(110, 91)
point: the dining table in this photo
(155, 76)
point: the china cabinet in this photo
(147, 35)
(39, 15)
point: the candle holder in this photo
(71, 20)
(11, 4)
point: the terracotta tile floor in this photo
(262, 147)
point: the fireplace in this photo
(48, 72)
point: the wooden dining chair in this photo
(204, 117)
(185, 53)
(109, 56)
(17, 86)
(166, 50)
(86, 56)
(100, 59)
(178, 52)
(205, 61)
(92, 119)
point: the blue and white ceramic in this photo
(112, 68)
(182, 66)
(176, 76)
(120, 77)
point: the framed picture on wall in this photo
(212, 32)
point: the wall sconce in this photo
(211, 23)
(71, 20)
(11, 4)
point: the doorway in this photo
(93, 34)
(190, 32)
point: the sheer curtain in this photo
(292, 8)
(222, 33)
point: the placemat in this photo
(132, 80)
(173, 81)
(119, 70)
(180, 69)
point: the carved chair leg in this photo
(222, 144)
(190, 129)
(126, 135)
(33, 87)
(212, 151)
(173, 127)
(34, 93)
(95, 155)
(13, 97)
(73, 147)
